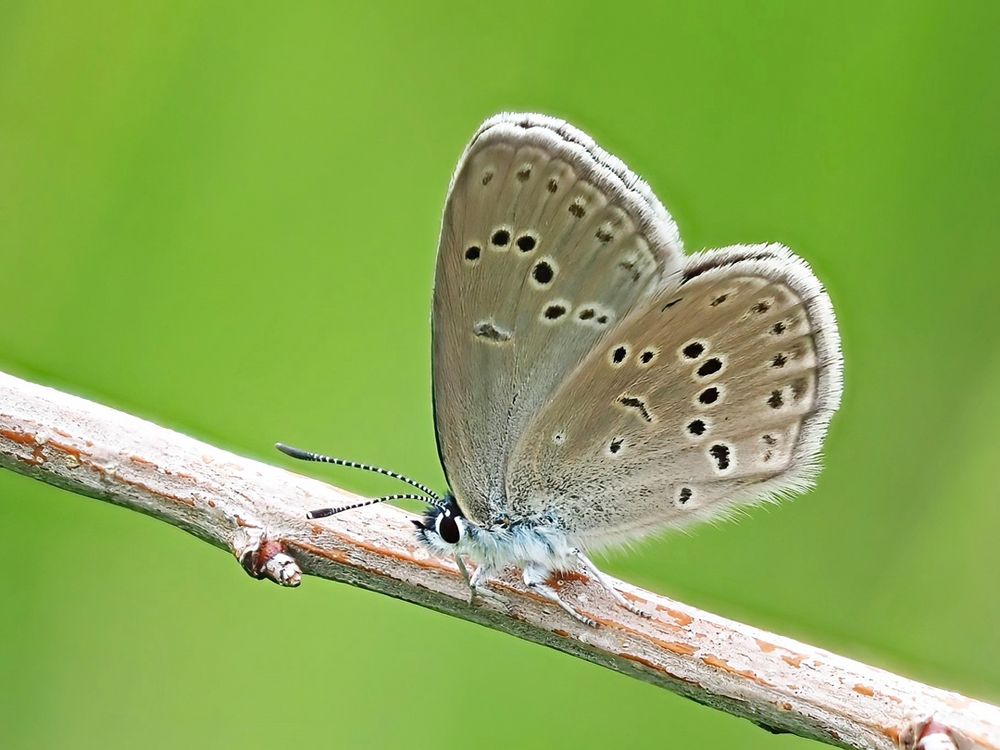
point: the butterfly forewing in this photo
(714, 393)
(547, 244)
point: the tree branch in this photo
(257, 512)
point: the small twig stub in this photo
(265, 558)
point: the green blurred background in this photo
(223, 216)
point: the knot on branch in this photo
(931, 734)
(265, 558)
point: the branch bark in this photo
(257, 512)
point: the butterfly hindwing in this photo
(547, 244)
(713, 394)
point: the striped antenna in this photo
(324, 512)
(309, 456)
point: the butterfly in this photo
(593, 384)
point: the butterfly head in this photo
(443, 527)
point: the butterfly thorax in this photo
(447, 532)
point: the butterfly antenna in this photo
(309, 456)
(324, 512)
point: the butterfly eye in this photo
(448, 529)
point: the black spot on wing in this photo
(697, 427)
(721, 453)
(709, 367)
(543, 273)
(633, 402)
(526, 243)
(555, 311)
(486, 329)
(693, 350)
(709, 395)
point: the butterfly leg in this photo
(476, 582)
(535, 578)
(463, 570)
(594, 571)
